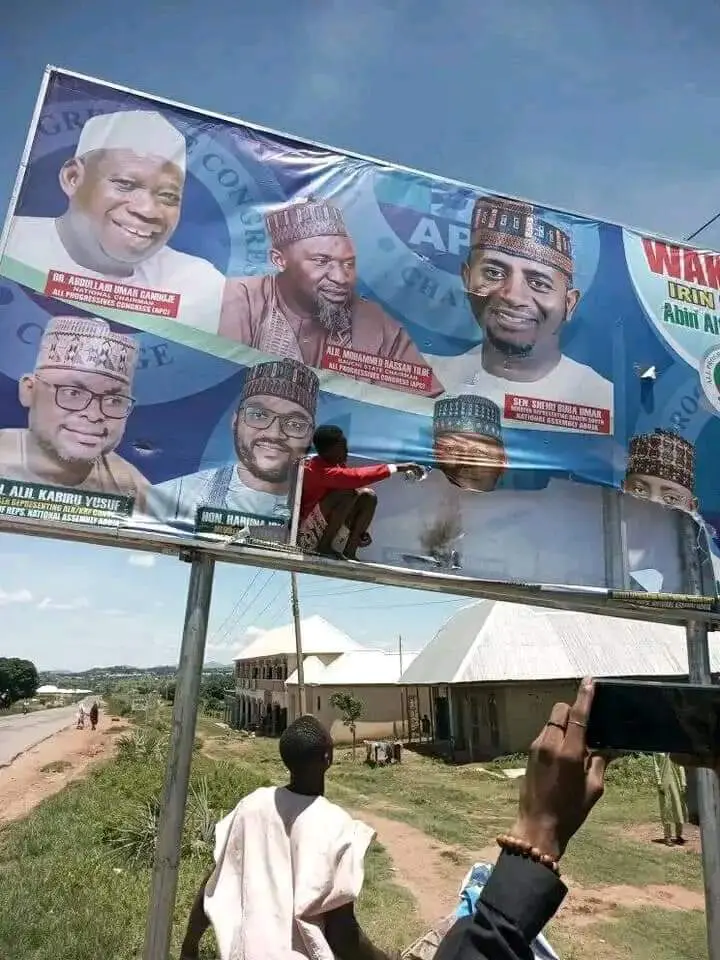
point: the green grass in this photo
(386, 911)
(466, 810)
(75, 873)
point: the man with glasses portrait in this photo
(78, 399)
(272, 429)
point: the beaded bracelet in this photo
(523, 849)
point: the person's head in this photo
(124, 186)
(306, 749)
(467, 441)
(79, 396)
(274, 420)
(316, 259)
(518, 277)
(331, 444)
(661, 467)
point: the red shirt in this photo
(320, 477)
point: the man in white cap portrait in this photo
(272, 429)
(311, 303)
(519, 282)
(124, 187)
(78, 398)
(461, 518)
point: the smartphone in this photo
(655, 718)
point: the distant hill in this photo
(123, 670)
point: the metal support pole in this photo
(302, 699)
(707, 782)
(615, 539)
(158, 929)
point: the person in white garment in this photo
(519, 282)
(124, 187)
(272, 429)
(78, 399)
(289, 867)
(660, 476)
(461, 519)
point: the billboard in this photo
(185, 298)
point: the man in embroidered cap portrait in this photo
(467, 516)
(124, 187)
(78, 399)
(272, 429)
(311, 303)
(661, 468)
(518, 279)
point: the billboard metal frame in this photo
(628, 605)
(624, 603)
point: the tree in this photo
(351, 710)
(18, 678)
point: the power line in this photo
(232, 619)
(397, 606)
(707, 224)
(271, 602)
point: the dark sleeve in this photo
(519, 899)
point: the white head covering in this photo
(145, 132)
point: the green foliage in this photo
(18, 679)
(350, 707)
(630, 772)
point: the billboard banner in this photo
(185, 298)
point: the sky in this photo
(609, 109)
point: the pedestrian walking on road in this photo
(94, 713)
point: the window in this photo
(318, 706)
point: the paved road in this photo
(19, 732)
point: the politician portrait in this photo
(272, 429)
(661, 468)
(311, 304)
(467, 516)
(124, 188)
(78, 400)
(518, 279)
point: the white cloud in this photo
(14, 596)
(77, 603)
(141, 560)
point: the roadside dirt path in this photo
(45, 769)
(432, 872)
(429, 869)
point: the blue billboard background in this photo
(411, 235)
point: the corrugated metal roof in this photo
(357, 668)
(442, 658)
(493, 642)
(318, 637)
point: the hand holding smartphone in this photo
(643, 717)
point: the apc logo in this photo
(710, 377)
(439, 235)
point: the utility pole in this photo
(400, 652)
(302, 701)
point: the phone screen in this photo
(655, 718)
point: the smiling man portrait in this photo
(311, 304)
(518, 279)
(124, 187)
(78, 399)
(272, 428)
